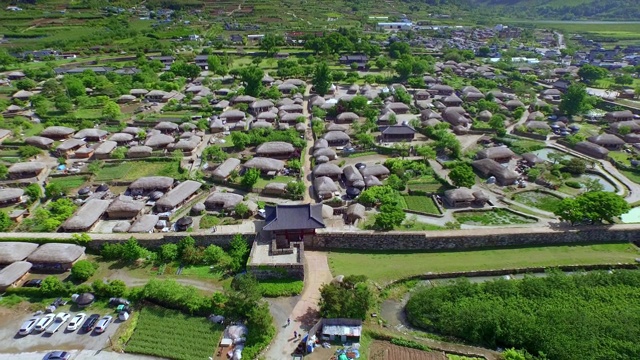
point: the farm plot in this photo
(165, 333)
(423, 204)
(382, 350)
(132, 170)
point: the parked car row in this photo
(51, 323)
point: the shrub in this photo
(409, 344)
(281, 287)
(573, 184)
(82, 270)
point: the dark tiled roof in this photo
(293, 217)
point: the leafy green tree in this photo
(168, 252)
(576, 166)
(395, 182)
(132, 251)
(53, 190)
(63, 104)
(239, 252)
(241, 210)
(574, 101)
(5, 221)
(4, 171)
(250, 178)
(594, 206)
(593, 185)
(294, 165)
(215, 255)
(296, 188)
(589, 73)
(216, 65)
(269, 44)
(462, 175)
(350, 299)
(74, 87)
(399, 48)
(382, 63)
(321, 78)
(389, 217)
(214, 153)
(624, 79)
(33, 191)
(364, 139)
(119, 153)
(52, 286)
(82, 270)
(111, 110)
(181, 68)
(25, 84)
(29, 151)
(252, 78)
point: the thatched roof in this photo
(187, 126)
(261, 104)
(224, 170)
(375, 170)
(348, 117)
(22, 167)
(284, 101)
(324, 186)
(15, 251)
(352, 174)
(441, 87)
(294, 108)
(216, 124)
(166, 126)
(188, 144)
(532, 158)
(606, 139)
(13, 273)
(87, 215)
(316, 100)
(620, 114)
(336, 136)
(480, 196)
(356, 211)
(289, 117)
(238, 126)
(496, 152)
(105, 147)
(274, 147)
(489, 167)
(244, 99)
(70, 144)
(514, 103)
(633, 125)
(125, 204)
(138, 151)
(152, 183)
(121, 137)
(159, 141)
(276, 186)
(371, 181)
(326, 170)
(232, 114)
(56, 253)
(328, 152)
(227, 201)
(327, 211)
(267, 115)
(57, 131)
(459, 195)
(38, 141)
(537, 125)
(336, 127)
(320, 144)
(138, 91)
(8, 194)
(121, 227)
(144, 224)
(132, 130)
(265, 164)
(536, 115)
(485, 115)
(283, 126)
(22, 94)
(90, 133)
(179, 194)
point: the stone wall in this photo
(467, 239)
(158, 239)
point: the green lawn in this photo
(540, 200)
(69, 183)
(384, 267)
(620, 156)
(262, 182)
(133, 170)
(171, 334)
(423, 204)
(631, 175)
(492, 217)
(427, 184)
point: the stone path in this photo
(305, 313)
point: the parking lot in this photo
(10, 321)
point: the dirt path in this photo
(305, 312)
(134, 281)
(306, 164)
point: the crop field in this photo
(492, 217)
(387, 266)
(171, 334)
(540, 200)
(423, 204)
(132, 170)
(69, 183)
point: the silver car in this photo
(101, 326)
(28, 326)
(44, 322)
(60, 319)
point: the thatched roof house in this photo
(10, 196)
(223, 171)
(233, 115)
(57, 132)
(328, 170)
(261, 124)
(39, 142)
(188, 145)
(13, 274)
(320, 144)
(178, 195)
(148, 184)
(88, 214)
(377, 170)
(224, 201)
(532, 159)
(371, 181)
(145, 224)
(336, 138)
(167, 127)
(265, 164)
(461, 197)
(354, 213)
(328, 152)
(159, 141)
(497, 153)
(25, 170)
(489, 167)
(632, 125)
(351, 174)
(121, 138)
(124, 207)
(275, 149)
(91, 134)
(485, 115)
(56, 256)
(591, 149)
(324, 187)
(608, 141)
(132, 130)
(15, 251)
(104, 149)
(347, 117)
(140, 151)
(275, 188)
(537, 125)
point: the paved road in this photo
(80, 355)
(305, 313)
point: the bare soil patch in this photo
(382, 350)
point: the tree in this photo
(132, 251)
(111, 110)
(252, 78)
(238, 251)
(399, 48)
(63, 104)
(296, 188)
(624, 79)
(294, 165)
(364, 139)
(240, 140)
(181, 68)
(593, 206)
(52, 286)
(119, 153)
(250, 178)
(426, 151)
(216, 65)
(350, 299)
(269, 44)
(82, 270)
(4, 171)
(382, 63)
(395, 182)
(321, 78)
(484, 51)
(5, 221)
(593, 185)
(241, 210)
(215, 154)
(389, 217)
(462, 175)
(215, 255)
(574, 100)
(25, 84)
(53, 190)
(589, 73)
(33, 191)
(168, 252)
(576, 166)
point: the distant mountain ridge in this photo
(556, 9)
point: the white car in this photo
(27, 327)
(76, 322)
(60, 319)
(101, 326)
(44, 322)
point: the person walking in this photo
(295, 334)
(288, 321)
